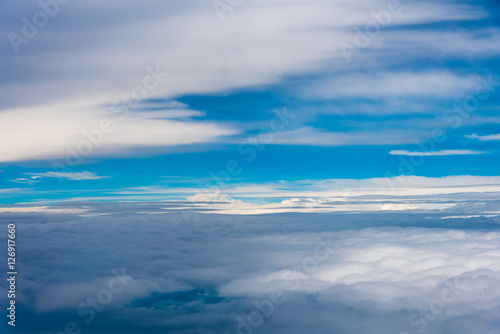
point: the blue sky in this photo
(184, 102)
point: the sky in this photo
(202, 97)
(252, 166)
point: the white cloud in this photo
(52, 132)
(435, 153)
(389, 85)
(393, 256)
(229, 54)
(42, 209)
(484, 138)
(212, 197)
(73, 176)
(11, 190)
(24, 180)
(68, 88)
(468, 216)
(402, 193)
(317, 137)
(480, 43)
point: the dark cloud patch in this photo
(191, 300)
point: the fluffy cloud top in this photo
(212, 197)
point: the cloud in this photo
(307, 135)
(403, 193)
(53, 132)
(212, 197)
(481, 42)
(11, 190)
(298, 201)
(216, 61)
(435, 153)
(380, 260)
(455, 194)
(72, 92)
(24, 180)
(385, 85)
(73, 176)
(207, 271)
(484, 138)
(42, 209)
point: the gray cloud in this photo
(198, 272)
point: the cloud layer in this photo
(331, 272)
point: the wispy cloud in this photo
(484, 138)
(73, 176)
(307, 135)
(82, 133)
(23, 180)
(436, 84)
(435, 153)
(307, 26)
(42, 209)
(195, 66)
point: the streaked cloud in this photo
(319, 137)
(484, 138)
(435, 153)
(42, 209)
(391, 84)
(53, 133)
(309, 27)
(24, 180)
(73, 176)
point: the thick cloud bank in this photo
(181, 272)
